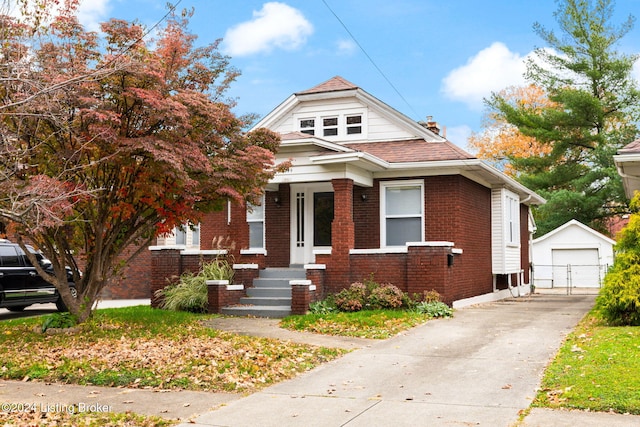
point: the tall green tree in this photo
(593, 112)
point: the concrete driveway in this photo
(479, 368)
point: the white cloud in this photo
(346, 47)
(490, 70)
(92, 12)
(276, 25)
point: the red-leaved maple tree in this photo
(109, 140)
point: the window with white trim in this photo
(185, 235)
(402, 212)
(255, 218)
(512, 219)
(354, 124)
(347, 125)
(330, 126)
(308, 126)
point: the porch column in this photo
(342, 234)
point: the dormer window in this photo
(341, 125)
(330, 126)
(308, 126)
(354, 125)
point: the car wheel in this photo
(17, 308)
(60, 305)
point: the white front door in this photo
(311, 217)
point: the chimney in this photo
(431, 125)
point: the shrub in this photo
(59, 321)
(431, 296)
(351, 298)
(619, 299)
(434, 309)
(326, 306)
(385, 296)
(370, 295)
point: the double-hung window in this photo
(308, 126)
(255, 218)
(512, 219)
(354, 125)
(402, 212)
(186, 235)
(330, 126)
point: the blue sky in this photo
(435, 58)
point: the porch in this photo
(278, 292)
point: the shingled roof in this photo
(334, 84)
(416, 150)
(631, 148)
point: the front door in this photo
(311, 218)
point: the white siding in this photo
(376, 127)
(505, 255)
(381, 129)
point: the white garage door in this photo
(583, 270)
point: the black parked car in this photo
(20, 283)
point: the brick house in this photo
(369, 192)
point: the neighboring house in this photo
(572, 255)
(373, 193)
(628, 164)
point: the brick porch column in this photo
(165, 264)
(342, 234)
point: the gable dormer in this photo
(342, 112)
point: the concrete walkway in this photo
(480, 368)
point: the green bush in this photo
(59, 321)
(434, 309)
(190, 293)
(619, 299)
(325, 306)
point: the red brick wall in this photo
(278, 226)
(456, 210)
(134, 281)
(385, 268)
(366, 216)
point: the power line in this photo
(369, 58)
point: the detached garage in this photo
(572, 255)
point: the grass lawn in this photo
(596, 369)
(146, 347)
(376, 324)
(141, 347)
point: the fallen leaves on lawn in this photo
(196, 361)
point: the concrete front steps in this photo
(270, 295)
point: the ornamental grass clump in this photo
(190, 293)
